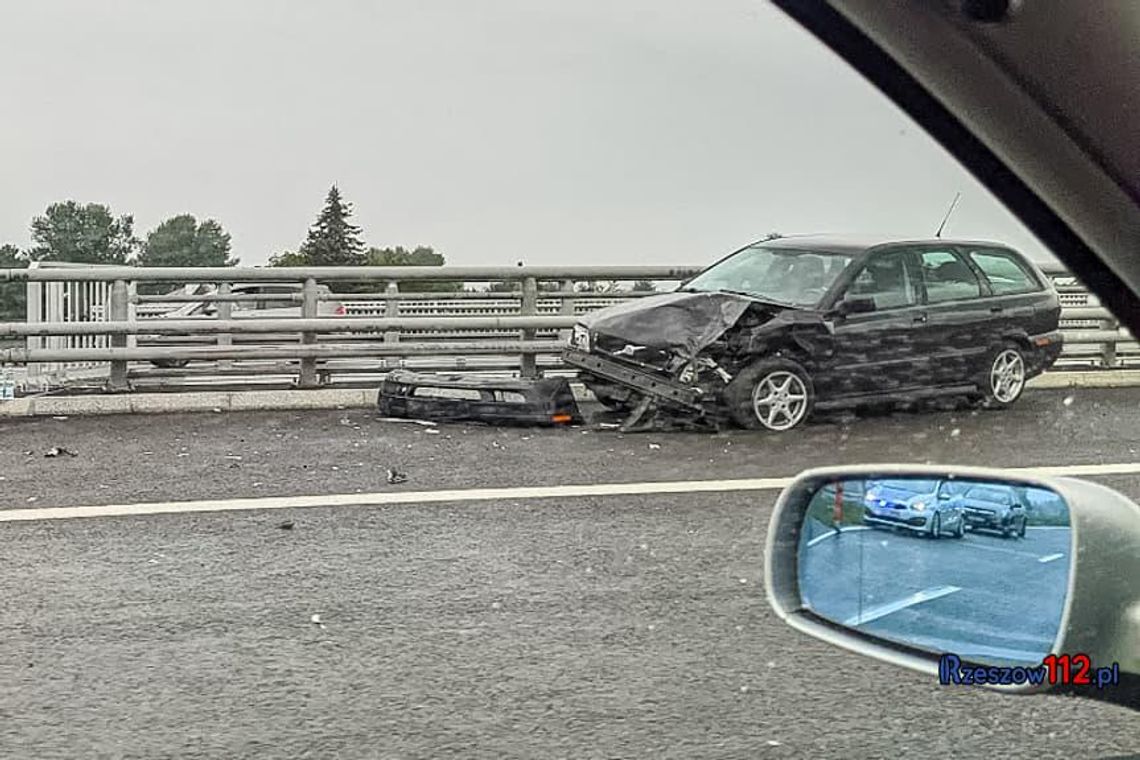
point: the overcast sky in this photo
(617, 132)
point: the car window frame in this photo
(954, 250)
(1019, 260)
(856, 267)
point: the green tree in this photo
(420, 256)
(333, 241)
(13, 295)
(87, 234)
(288, 259)
(181, 241)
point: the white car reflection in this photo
(913, 505)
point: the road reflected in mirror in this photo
(979, 569)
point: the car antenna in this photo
(948, 213)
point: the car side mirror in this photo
(855, 305)
(941, 592)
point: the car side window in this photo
(887, 280)
(1004, 273)
(947, 277)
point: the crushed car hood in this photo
(681, 321)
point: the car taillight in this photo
(340, 310)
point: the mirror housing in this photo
(1101, 615)
(855, 305)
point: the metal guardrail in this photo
(105, 317)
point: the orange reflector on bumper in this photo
(561, 418)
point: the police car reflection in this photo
(919, 506)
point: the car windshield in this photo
(781, 275)
(994, 495)
(908, 486)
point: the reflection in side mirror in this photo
(964, 570)
(979, 569)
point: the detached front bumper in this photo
(643, 382)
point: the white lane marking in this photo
(398, 497)
(831, 533)
(1050, 557)
(883, 610)
(1074, 470)
(474, 494)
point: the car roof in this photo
(857, 244)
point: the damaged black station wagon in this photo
(787, 326)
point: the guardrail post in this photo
(529, 363)
(392, 310)
(567, 307)
(119, 312)
(225, 312)
(1108, 351)
(308, 378)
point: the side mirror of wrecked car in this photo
(941, 592)
(855, 305)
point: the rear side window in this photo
(1004, 272)
(947, 277)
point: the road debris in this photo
(287, 525)
(395, 476)
(56, 451)
(316, 620)
(493, 400)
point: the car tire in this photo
(960, 531)
(170, 363)
(1021, 527)
(936, 526)
(1004, 378)
(772, 394)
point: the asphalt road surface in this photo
(593, 627)
(984, 598)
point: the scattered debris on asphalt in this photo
(394, 476)
(56, 451)
(1068, 401)
(60, 417)
(287, 525)
(316, 620)
(654, 446)
(428, 423)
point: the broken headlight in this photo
(581, 338)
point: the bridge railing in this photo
(84, 320)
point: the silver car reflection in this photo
(913, 505)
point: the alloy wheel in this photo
(780, 400)
(1007, 376)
